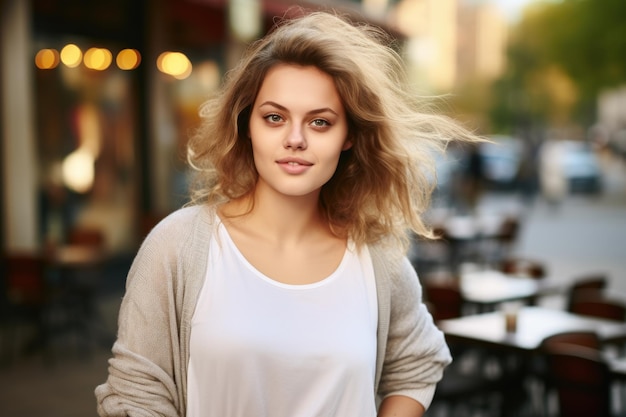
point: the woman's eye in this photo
(320, 123)
(273, 118)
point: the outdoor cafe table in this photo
(534, 324)
(76, 274)
(472, 237)
(487, 332)
(488, 288)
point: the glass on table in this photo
(510, 309)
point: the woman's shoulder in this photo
(393, 269)
(185, 226)
(389, 258)
(183, 220)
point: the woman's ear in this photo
(346, 145)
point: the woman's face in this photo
(298, 129)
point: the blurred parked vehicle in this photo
(571, 164)
(581, 168)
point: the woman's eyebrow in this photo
(273, 104)
(283, 108)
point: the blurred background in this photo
(99, 98)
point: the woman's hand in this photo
(400, 406)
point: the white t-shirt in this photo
(261, 348)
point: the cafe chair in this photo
(588, 339)
(470, 387)
(597, 305)
(541, 386)
(464, 393)
(497, 246)
(580, 381)
(508, 230)
(467, 388)
(583, 338)
(524, 267)
(507, 234)
(79, 285)
(538, 382)
(443, 298)
(585, 285)
(24, 305)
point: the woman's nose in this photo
(296, 138)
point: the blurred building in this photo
(431, 28)
(99, 98)
(482, 40)
(450, 42)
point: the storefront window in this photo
(86, 136)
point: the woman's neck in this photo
(277, 217)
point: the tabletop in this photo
(472, 227)
(489, 287)
(75, 256)
(534, 324)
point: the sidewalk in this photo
(32, 389)
(33, 386)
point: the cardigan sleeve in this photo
(416, 352)
(147, 374)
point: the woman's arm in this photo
(400, 406)
(148, 370)
(140, 378)
(416, 352)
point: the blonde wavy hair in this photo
(382, 185)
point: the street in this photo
(583, 234)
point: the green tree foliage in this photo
(561, 55)
(591, 43)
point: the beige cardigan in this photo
(148, 370)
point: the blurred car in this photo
(573, 164)
(580, 167)
(501, 160)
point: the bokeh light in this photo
(175, 64)
(47, 59)
(128, 59)
(71, 55)
(98, 59)
(78, 171)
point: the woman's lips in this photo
(294, 165)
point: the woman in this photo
(283, 290)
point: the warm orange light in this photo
(47, 59)
(175, 64)
(185, 74)
(78, 171)
(71, 55)
(128, 59)
(98, 59)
